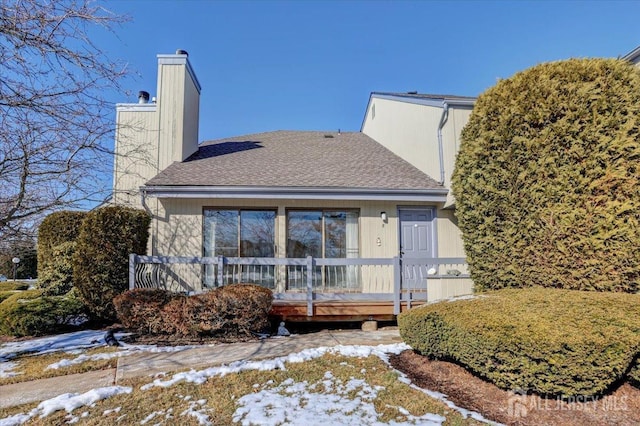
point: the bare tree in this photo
(55, 121)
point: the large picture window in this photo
(240, 233)
(328, 234)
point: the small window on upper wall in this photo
(373, 111)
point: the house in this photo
(633, 56)
(338, 224)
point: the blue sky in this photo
(311, 65)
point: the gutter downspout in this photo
(143, 200)
(153, 232)
(443, 120)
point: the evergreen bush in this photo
(57, 228)
(546, 180)
(101, 260)
(13, 285)
(56, 277)
(548, 341)
(28, 313)
(4, 295)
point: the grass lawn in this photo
(364, 390)
(32, 367)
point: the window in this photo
(328, 234)
(240, 233)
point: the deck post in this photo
(309, 286)
(220, 271)
(132, 271)
(397, 274)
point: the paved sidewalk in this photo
(149, 364)
(39, 390)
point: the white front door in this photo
(417, 241)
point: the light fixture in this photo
(383, 216)
(15, 261)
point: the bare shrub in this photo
(229, 312)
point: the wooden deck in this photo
(339, 310)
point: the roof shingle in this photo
(295, 159)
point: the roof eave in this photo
(633, 55)
(434, 102)
(436, 195)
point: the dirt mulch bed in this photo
(174, 340)
(621, 407)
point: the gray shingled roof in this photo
(295, 159)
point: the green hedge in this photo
(549, 341)
(229, 312)
(55, 229)
(56, 277)
(4, 295)
(101, 260)
(13, 285)
(546, 180)
(28, 313)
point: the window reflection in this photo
(239, 233)
(328, 234)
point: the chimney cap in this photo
(182, 52)
(143, 97)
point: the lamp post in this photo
(15, 261)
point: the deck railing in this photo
(305, 279)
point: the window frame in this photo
(320, 281)
(240, 210)
(322, 211)
(210, 272)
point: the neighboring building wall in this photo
(151, 136)
(456, 120)
(410, 130)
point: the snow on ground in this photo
(286, 406)
(6, 369)
(201, 376)
(301, 403)
(327, 402)
(66, 401)
(125, 350)
(71, 343)
(62, 342)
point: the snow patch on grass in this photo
(67, 402)
(201, 376)
(6, 368)
(299, 403)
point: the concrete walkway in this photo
(149, 364)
